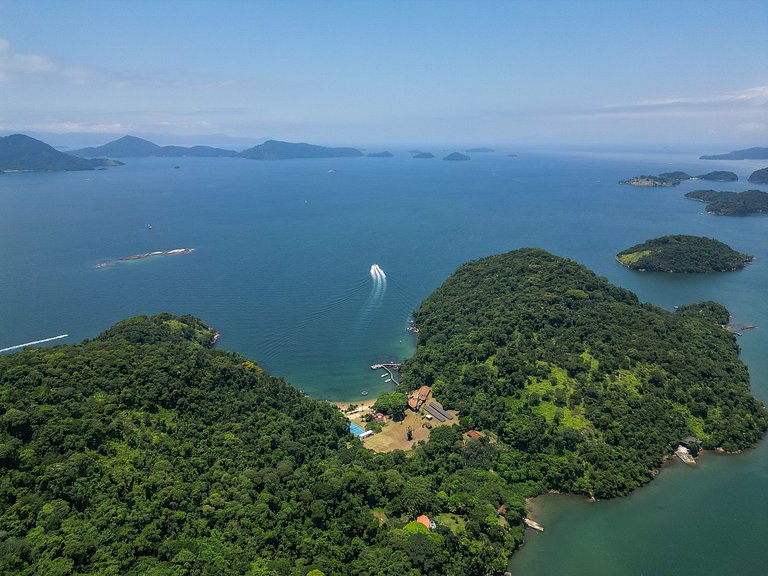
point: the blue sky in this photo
(520, 73)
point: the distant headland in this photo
(683, 254)
(746, 154)
(133, 147)
(22, 153)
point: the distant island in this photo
(133, 147)
(424, 155)
(732, 203)
(676, 175)
(456, 157)
(22, 153)
(674, 178)
(759, 176)
(481, 150)
(175, 252)
(719, 176)
(746, 154)
(653, 181)
(278, 150)
(386, 154)
(683, 254)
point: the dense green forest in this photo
(732, 203)
(145, 452)
(682, 253)
(719, 176)
(585, 387)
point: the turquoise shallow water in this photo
(281, 267)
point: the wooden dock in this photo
(390, 367)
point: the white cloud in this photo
(17, 64)
(755, 96)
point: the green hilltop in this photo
(143, 451)
(586, 388)
(682, 253)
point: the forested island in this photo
(674, 178)
(385, 154)
(759, 176)
(22, 153)
(732, 203)
(424, 155)
(277, 150)
(585, 388)
(456, 157)
(719, 176)
(685, 254)
(664, 179)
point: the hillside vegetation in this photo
(732, 203)
(682, 253)
(585, 387)
(144, 452)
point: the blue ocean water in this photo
(283, 252)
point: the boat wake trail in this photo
(374, 301)
(32, 343)
(378, 289)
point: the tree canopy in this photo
(143, 451)
(732, 203)
(586, 388)
(682, 253)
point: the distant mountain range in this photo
(21, 152)
(133, 147)
(746, 154)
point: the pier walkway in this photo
(390, 367)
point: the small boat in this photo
(388, 380)
(332, 171)
(149, 226)
(364, 393)
(383, 375)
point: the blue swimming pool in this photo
(356, 429)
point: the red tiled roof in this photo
(423, 519)
(474, 434)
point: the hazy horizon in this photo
(506, 74)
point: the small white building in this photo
(366, 434)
